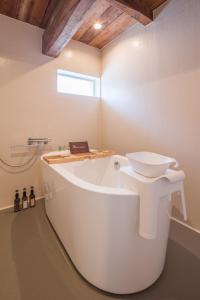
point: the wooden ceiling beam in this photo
(65, 21)
(24, 10)
(38, 11)
(48, 13)
(137, 9)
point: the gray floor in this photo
(33, 265)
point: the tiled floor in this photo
(33, 265)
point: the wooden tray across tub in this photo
(60, 159)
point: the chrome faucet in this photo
(38, 141)
(116, 165)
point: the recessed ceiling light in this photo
(97, 26)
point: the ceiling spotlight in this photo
(97, 26)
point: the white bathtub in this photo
(95, 215)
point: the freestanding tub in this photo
(95, 215)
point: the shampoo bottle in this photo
(32, 201)
(17, 201)
(24, 200)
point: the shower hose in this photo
(15, 169)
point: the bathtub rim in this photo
(80, 183)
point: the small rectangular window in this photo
(77, 84)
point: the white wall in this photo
(151, 92)
(30, 104)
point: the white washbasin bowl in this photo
(150, 164)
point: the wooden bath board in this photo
(60, 159)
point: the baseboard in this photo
(6, 207)
(186, 225)
(10, 206)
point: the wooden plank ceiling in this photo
(74, 19)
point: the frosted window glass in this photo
(72, 83)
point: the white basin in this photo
(150, 164)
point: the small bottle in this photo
(17, 201)
(24, 200)
(32, 201)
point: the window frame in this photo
(94, 80)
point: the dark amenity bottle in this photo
(17, 202)
(24, 200)
(32, 201)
